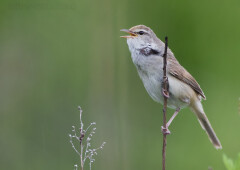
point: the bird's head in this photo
(140, 36)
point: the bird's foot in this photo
(165, 93)
(165, 131)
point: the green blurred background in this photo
(56, 55)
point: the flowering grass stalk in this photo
(84, 137)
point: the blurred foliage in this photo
(230, 164)
(56, 55)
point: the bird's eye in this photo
(141, 32)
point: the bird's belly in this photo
(153, 87)
(177, 98)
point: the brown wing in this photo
(180, 73)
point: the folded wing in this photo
(180, 73)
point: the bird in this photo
(147, 52)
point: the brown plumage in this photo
(180, 73)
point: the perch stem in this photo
(165, 87)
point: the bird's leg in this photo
(165, 90)
(173, 116)
(165, 93)
(166, 130)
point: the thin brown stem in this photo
(165, 88)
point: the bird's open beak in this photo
(131, 34)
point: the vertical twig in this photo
(81, 137)
(84, 138)
(165, 88)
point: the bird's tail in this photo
(202, 118)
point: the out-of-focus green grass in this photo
(231, 164)
(56, 55)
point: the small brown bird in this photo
(184, 91)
